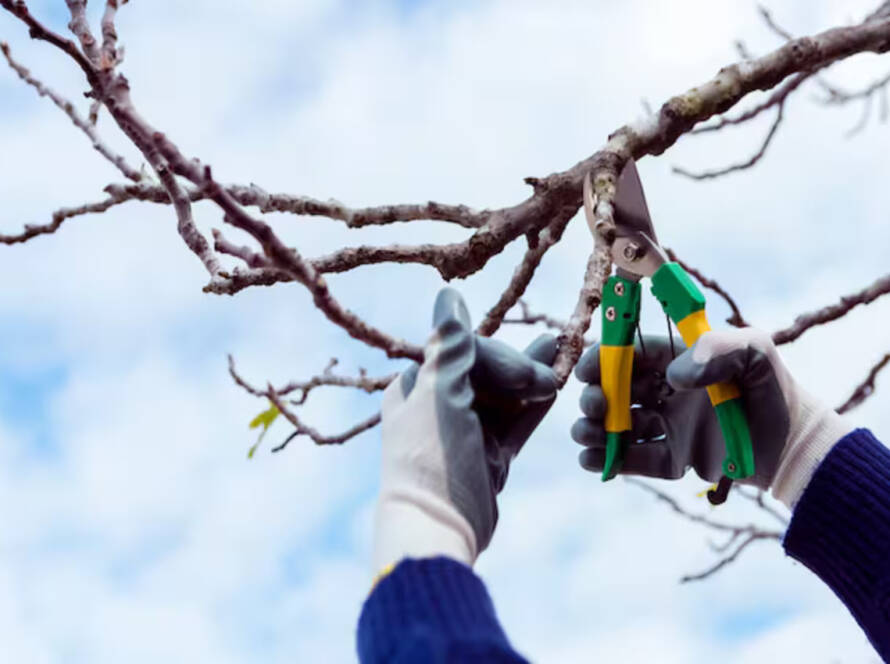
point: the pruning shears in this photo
(637, 254)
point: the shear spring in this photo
(671, 336)
(642, 344)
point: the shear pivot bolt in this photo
(631, 251)
(619, 288)
(610, 313)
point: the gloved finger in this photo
(593, 402)
(501, 369)
(588, 368)
(543, 349)
(649, 459)
(450, 352)
(658, 354)
(645, 391)
(588, 432)
(645, 425)
(722, 356)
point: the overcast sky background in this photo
(134, 527)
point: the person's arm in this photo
(450, 429)
(835, 480)
(841, 531)
(431, 610)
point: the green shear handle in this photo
(685, 305)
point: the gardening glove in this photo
(674, 425)
(451, 427)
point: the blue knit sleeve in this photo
(841, 531)
(432, 610)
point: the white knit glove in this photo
(791, 431)
(451, 427)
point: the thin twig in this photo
(553, 195)
(776, 98)
(110, 55)
(866, 388)
(86, 126)
(58, 218)
(863, 120)
(675, 506)
(723, 562)
(775, 27)
(737, 320)
(524, 273)
(750, 533)
(530, 317)
(758, 499)
(833, 311)
(362, 382)
(303, 429)
(748, 163)
(253, 195)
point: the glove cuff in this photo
(819, 429)
(417, 524)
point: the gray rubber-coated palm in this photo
(674, 426)
(489, 398)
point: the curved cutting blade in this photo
(635, 251)
(631, 211)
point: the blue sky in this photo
(123, 441)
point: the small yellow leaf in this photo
(265, 418)
(702, 494)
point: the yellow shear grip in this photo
(616, 365)
(691, 328)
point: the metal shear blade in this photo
(635, 252)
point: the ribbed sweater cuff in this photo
(841, 531)
(431, 605)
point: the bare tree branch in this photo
(757, 156)
(357, 217)
(81, 29)
(775, 27)
(93, 115)
(748, 533)
(833, 311)
(865, 389)
(543, 215)
(882, 11)
(166, 160)
(756, 496)
(599, 266)
(777, 98)
(111, 56)
(835, 95)
(531, 318)
(322, 439)
(736, 319)
(523, 274)
(553, 193)
(362, 382)
(86, 126)
(58, 218)
(838, 96)
(749, 539)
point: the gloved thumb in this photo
(451, 351)
(716, 357)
